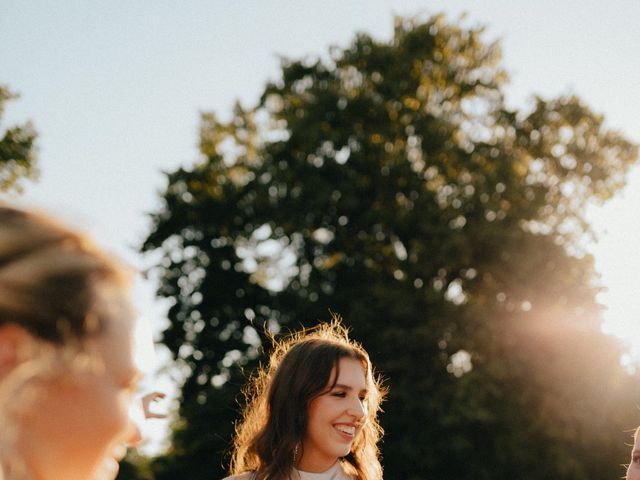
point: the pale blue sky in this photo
(115, 89)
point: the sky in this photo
(115, 90)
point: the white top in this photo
(334, 473)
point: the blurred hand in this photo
(147, 400)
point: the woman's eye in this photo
(636, 460)
(339, 394)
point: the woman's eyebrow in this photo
(347, 387)
(342, 385)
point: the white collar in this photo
(334, 473)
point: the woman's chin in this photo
(107, 470)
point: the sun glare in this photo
(617, 256)
(144, 348)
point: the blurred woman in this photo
(312, 413)
(67, 373)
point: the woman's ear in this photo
(16, 346)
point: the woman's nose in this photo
(357, 408)
(135, 435)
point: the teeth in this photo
(347, 430)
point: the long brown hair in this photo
(277, 400)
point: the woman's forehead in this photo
(351, 373)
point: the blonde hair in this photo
(276, 414)
(48, 277)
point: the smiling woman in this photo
(312, 414)
(335, 417)
(66, 337)
(633, 469)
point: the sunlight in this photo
(144, 348)
(617, 256)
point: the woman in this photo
(67, 374)
(312, 413)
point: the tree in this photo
(389, 183)
(17, 150)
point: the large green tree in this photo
(17, 150)
(389, 183)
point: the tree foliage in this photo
(17, 150)
(388, 182)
